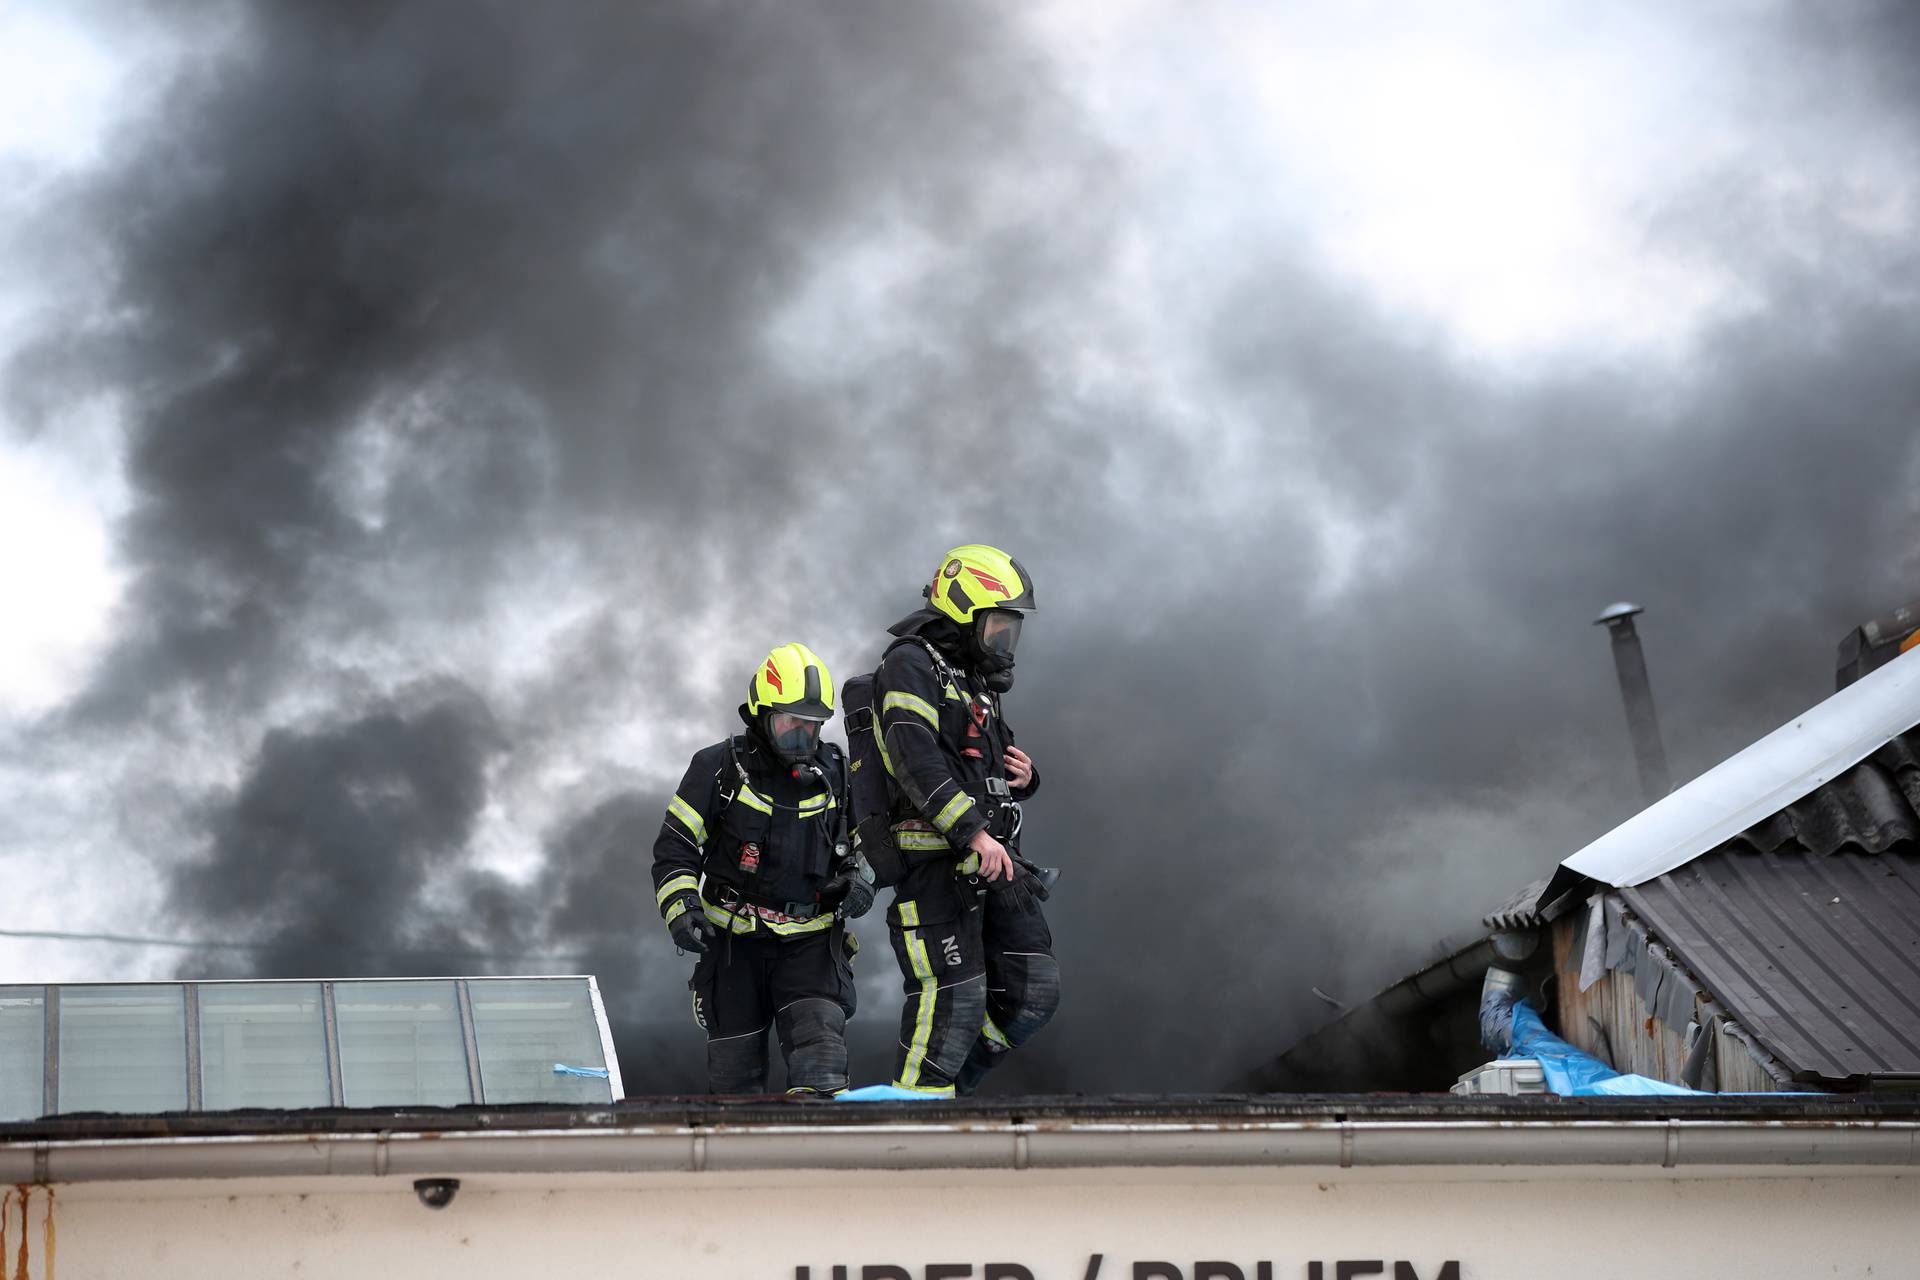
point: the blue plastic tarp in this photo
(884, 1093)
(1572, 1073)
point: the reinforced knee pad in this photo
(1031, 996)
(738, 1064)
(958, 1012)
(813, 1036)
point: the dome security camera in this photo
(436, 1193)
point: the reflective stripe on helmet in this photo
(976, 577)
(792, 678)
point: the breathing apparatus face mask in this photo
(794, 738)
(995, 634)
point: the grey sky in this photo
(417, 419)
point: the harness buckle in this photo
(998, 787)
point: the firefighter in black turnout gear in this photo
(751, 873)
(966, 924)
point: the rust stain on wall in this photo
(22, 1194)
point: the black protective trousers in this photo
(1023, 985)
(976, 986)
(800, 986)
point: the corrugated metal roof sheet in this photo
(1806, 926)
(1521, 911)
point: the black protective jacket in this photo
(742, 833)
(945, 742)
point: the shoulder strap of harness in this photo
(730, 786)
(835, 776)
(942, 666)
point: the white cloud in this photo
(56, 86)
(58, 574)
(1489, 171)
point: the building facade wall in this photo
(1486, 1223)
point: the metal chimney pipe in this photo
(1631, 665)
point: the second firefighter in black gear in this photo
(966, 924)
(750, 872)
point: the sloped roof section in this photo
(1806, 925)
(1795, 761)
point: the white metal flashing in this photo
(1787, 764)
(607, 1054)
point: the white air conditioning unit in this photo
(1510, 1076)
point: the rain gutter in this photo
(1347, 1144)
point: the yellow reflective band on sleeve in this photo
(918, 840)
(951, 811)
(752, 801)
(675, 884)
(689, 818)
(923, 1017)
(953, 694)
(675, 911)
(993, 1034)
(911, 702)
(886, 760)
(967, 865)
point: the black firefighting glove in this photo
(691, 929)
(1048, 876)
(850, 891)
(1025, 892)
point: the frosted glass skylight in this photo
(146, 1048)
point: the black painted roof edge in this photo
(1140, 1109)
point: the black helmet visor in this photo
(999, 631)
(794, 737)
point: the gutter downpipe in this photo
(1664, 1144)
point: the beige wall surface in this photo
(1034, 1225)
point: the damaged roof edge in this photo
(1787, 764)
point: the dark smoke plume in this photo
(330, 848)
(502, 382)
